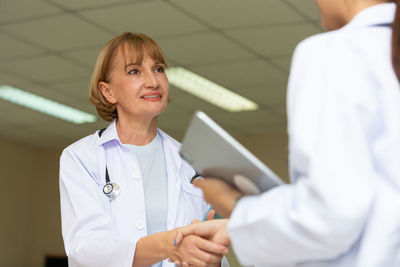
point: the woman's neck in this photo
(357, 6)
(136, 132)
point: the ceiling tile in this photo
(59, 33)
(47, 68)
(307, 7)
(47, 91)
(22, 117)
(240, 75)
(281, 109)
(191, 103)
(11, 48)
(77, 4)
(271, 94)
(78, 88)
(283, 61)
(274, 41)
(246, 122)
(154, 18)
(86, 56)
(11, 10)
(240, 13)
(202, 48)
(52, 93)
(9, 79)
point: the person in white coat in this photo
(343, 205)
(124, 190)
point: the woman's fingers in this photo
(200, 252)
(201, 258)
(211, 247)
(179, 237)
(210, 215)
(204, 229)
(195, 221)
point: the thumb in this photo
(197, 182)
(178, 238)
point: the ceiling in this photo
(49, 47)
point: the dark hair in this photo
(396, 41)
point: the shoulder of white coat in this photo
(339, 42)
(328, 54)
(314, 46)
(84, 150)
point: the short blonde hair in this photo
(135, 45)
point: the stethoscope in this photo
(110, 189)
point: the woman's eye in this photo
(159, 69)
(134, 71)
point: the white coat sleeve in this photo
(331, 117)
(89, 235)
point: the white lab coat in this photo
(343, 207)
(98, 232)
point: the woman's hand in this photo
(213, 230)
(197, 251)
(219, 194)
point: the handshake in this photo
(201, 243)
(205, 243)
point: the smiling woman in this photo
(125, 190)
(120, 65)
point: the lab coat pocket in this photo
(191, 204)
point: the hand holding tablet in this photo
(215, 153)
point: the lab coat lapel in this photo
(173, 165)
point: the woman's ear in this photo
(106, 92)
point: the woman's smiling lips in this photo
(152, 96)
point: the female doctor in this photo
(124, 190)
(343, 207)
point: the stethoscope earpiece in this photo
(111, 190)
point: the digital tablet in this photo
(213, 152)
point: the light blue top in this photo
(152, 166)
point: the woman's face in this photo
(332, 13)
(138, 90)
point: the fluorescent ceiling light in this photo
(44, 105)
(208, 90)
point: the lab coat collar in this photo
(109, 134)
(374, 15)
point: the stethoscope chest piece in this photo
(111, 190)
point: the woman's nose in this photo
(150, 80)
